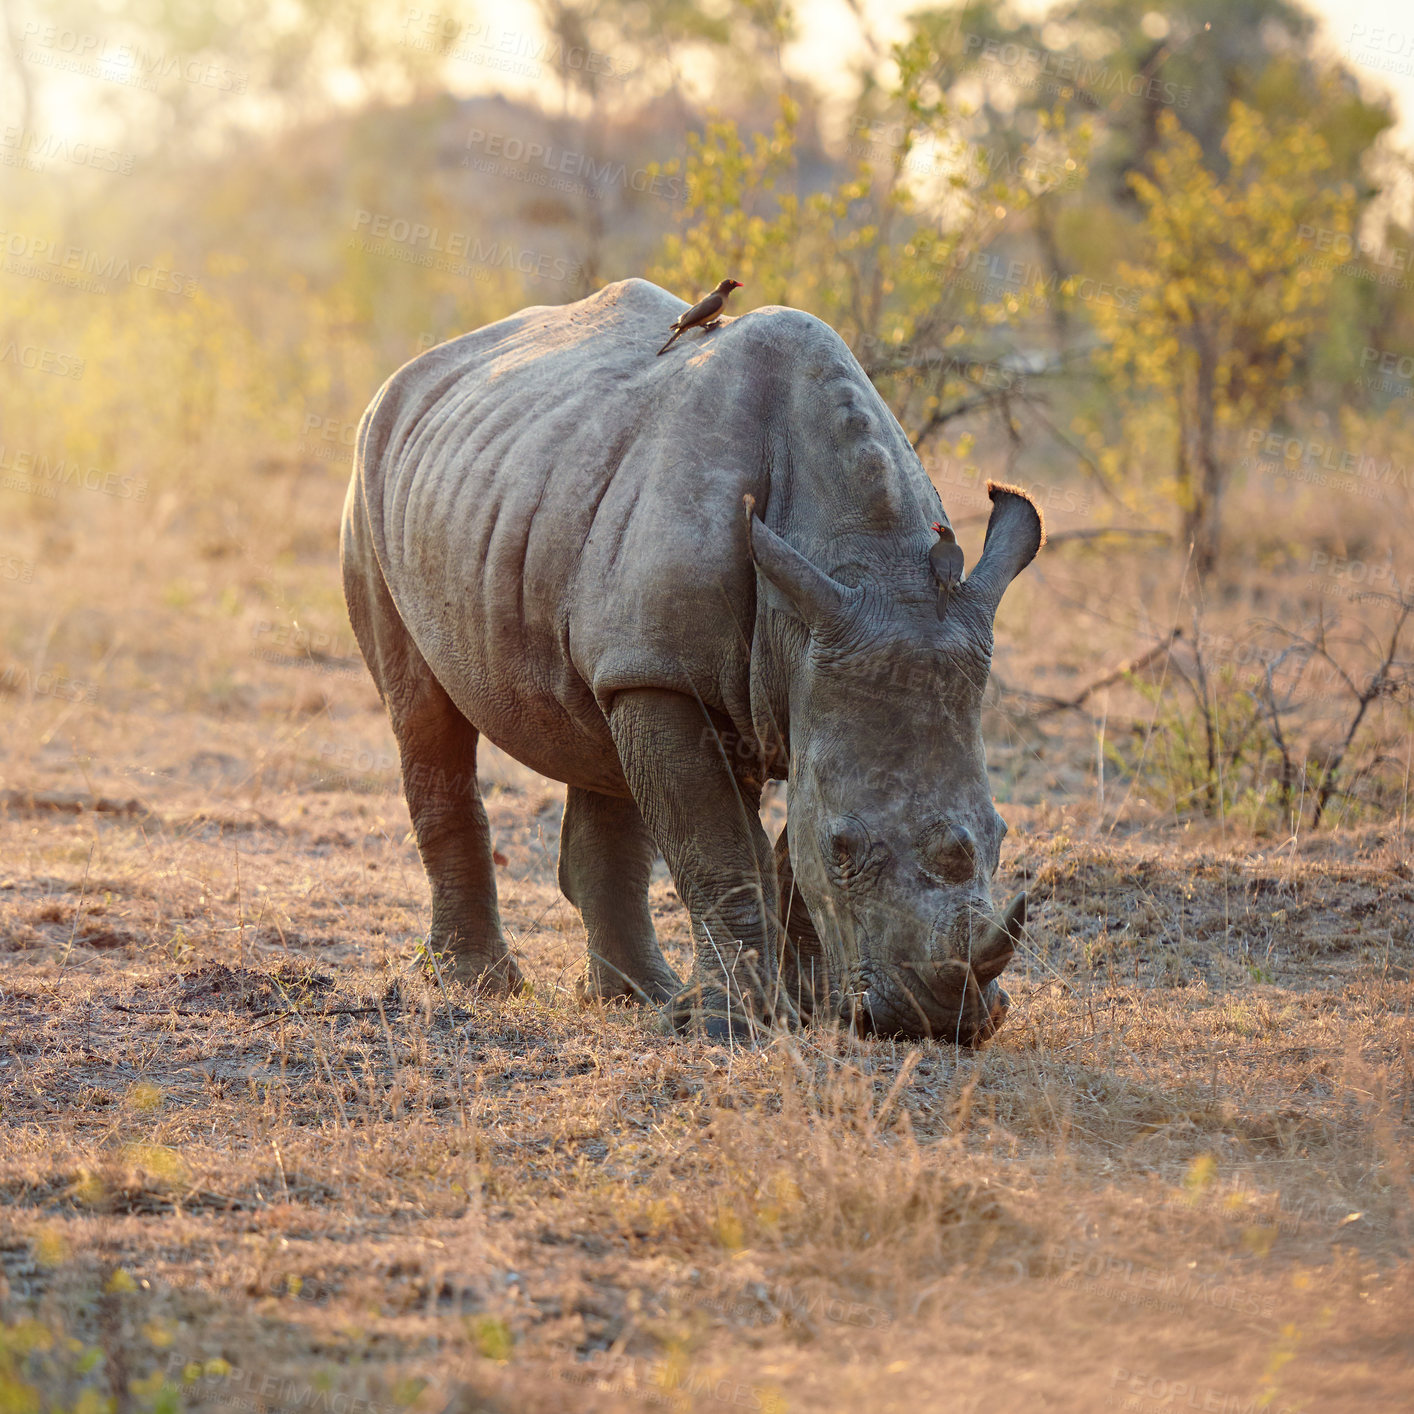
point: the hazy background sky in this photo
(1375, 36)
(1349, 28)
(830, 32)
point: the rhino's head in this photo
(893, 836)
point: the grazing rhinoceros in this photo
(547, 540)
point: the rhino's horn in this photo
(1015, 532)
(810, 591)
(999, 941)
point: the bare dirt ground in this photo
(251, 1158)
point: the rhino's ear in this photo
(1015, 532)
(811, 592)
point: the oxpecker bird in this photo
(946, 560)
(704, 314)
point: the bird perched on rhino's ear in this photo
(947, 560)
(704, 314)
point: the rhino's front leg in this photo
(706, 821)
(806, 975)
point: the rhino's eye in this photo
(951, 853)
(847, 850)
(846, 841)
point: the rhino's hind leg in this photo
(606, 859)
(438, 750)
(706, 821)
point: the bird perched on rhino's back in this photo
(704, 314)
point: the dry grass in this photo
(250, 1157)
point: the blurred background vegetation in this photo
(1153, 263)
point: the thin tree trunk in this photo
(1183, 469)
(1207, 493)
(1044, 228)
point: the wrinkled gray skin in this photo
(547, 541)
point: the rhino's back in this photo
(557, 514)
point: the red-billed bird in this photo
(947, 560)
(702, 315)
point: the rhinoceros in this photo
(549, 540)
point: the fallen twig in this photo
(1050, 704)
(1098, 532)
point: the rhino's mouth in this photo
(907, 1006)
(950, 999)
